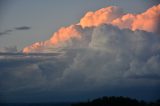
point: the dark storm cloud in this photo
(23, 28)
(147, 76)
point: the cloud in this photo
(114, 58)
(136, 52)
(23, 28)
(6, 32)
(115, 55)
(10, 49)
(101, 16)
(73, 36)
(148, 20)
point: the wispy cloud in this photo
(6, 32)
(23, 28)
(8, 49)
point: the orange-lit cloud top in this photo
(147, 21)
(36, 47)
(104, 15)
(65, 33)
(58, 38)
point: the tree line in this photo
(117, 101)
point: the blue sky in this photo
(46, 16)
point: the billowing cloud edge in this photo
(147, 21)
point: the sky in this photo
(45, 17)
(74, 50)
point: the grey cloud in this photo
(22, 71)
(112, 56)
(146, 76)
(23, 28)
(6, 32)
(12, 49)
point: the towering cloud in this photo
(65, 37)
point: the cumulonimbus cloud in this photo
(108, 41)
(148, 21)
